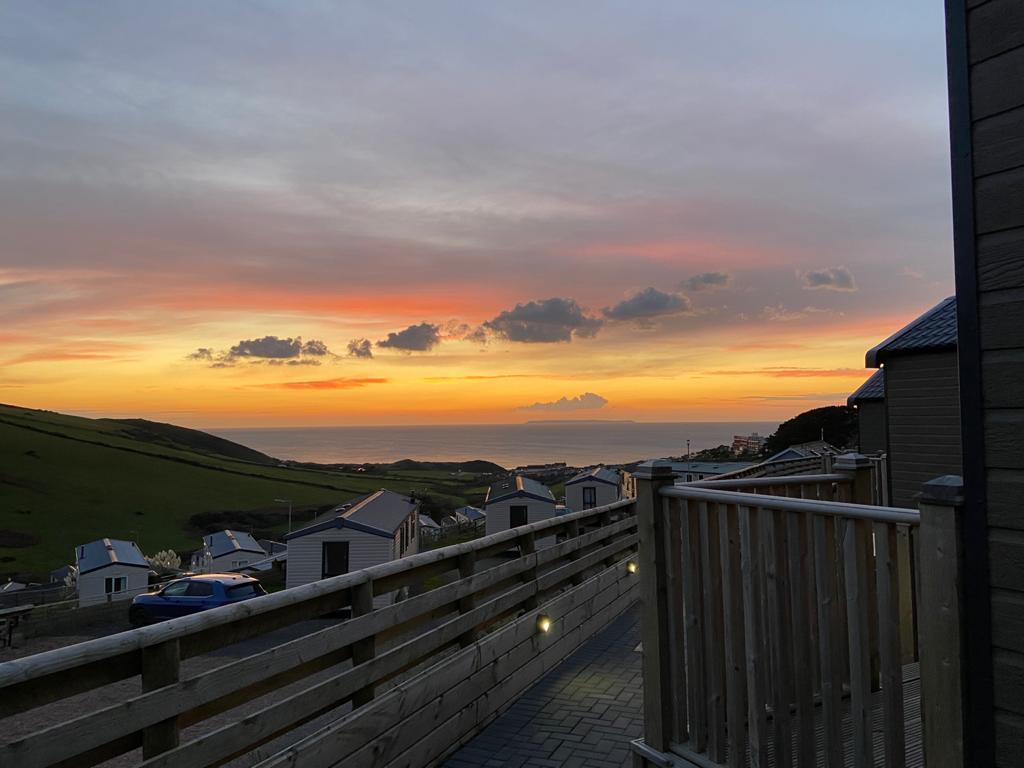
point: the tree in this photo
(836, 424)
(167, 560)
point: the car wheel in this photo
(137, 616)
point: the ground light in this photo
(544, 623)
(631, 566)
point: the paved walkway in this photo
(582, 714)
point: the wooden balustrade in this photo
(478, 629)
(789, 634)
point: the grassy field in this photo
(66, 480)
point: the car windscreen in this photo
(249, 589)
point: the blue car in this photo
(191, 595)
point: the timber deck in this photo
(912, 723)
(583, 714)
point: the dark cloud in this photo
(315, 348)
(267, 347)
(415, 338)
(360, 348)
(544, 321)
(706, 280)
(647, 305)
(271, 350)
(586, 401)
(830, 279)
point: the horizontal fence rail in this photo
(788, 620)
(479, 609)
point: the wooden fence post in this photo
(862, 483)
(363, 650)
(941, 627)
(161, 665)
(467, 567)
(858, 467)
(527, 547)
(654, 602)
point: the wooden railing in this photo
(833, 486)
(427, 670)
(775, 611)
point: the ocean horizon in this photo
(510, 445)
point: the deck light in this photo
(544, 623)
(631, 566)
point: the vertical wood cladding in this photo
(923, 409)
(992, 196)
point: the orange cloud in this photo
(794, 373)
(341, 383)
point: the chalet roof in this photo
(226, 542)
(934, 330)
(600, 474)
(103, 552)
(517, 486)
(380, 513)
(709, 467)
(813, 449)
(471, 513)
(872, 389)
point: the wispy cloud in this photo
(793, 373)
(340, 383)
(830, 279)
(706, 281)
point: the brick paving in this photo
(582, 714)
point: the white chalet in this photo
(517, 500)
(227, 551)
(366, 531)
(110, 569)
(593, 488)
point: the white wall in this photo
(498, 515)
(233, 560)
(606, 494)
(305, 555)
(91, 586)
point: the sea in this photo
(509, 445)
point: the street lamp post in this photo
(289, 503)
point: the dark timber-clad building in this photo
(869, 400)
(921, 401)
(985, 47)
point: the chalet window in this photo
(335, 559)
(401, 539)
(516, 516)
(113, 584)
(589, 497)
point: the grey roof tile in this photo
(934, 330)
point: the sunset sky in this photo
(269, 213)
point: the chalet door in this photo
(516, 516)
(335, 559)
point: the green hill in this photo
(67, 480)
